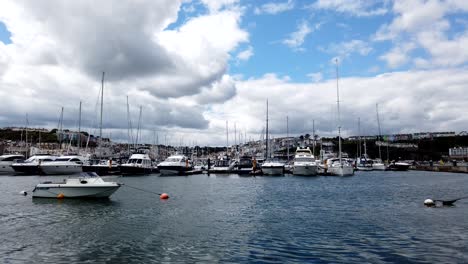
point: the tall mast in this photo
(266, 138)
(79, 130)
(359, 150)
(380, 132)
(235, 134)
(138, 135)
(60, 127)
(102, 105)
(227, 136)
(287, 135)
(338, 107)
(313, 136)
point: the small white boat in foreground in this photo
(86, 185)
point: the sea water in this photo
(371, 217)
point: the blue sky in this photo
(193, 65)
(4, 34)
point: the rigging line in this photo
(143, 190)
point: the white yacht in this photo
(31, 165)
(339, 168)
(63, 165)
(175, 165)
(304, 162)
(7, 160)
(86, 185)
(273, 167)
(137, 164)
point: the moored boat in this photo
(31, 165)
(304, 163)
(273, 167)
(86, 185)
(175, 165)
(63, 165)
(137, 164)
(7, 160)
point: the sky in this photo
(192, 66)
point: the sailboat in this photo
(103, 166)
(271, 166)
(378, 164)
(339, 166)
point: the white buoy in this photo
(429, 202)
(24, 193)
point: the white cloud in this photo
(274, 8)
(315, 76)
(217, 5)
(398, 56)
(426, 26)
(58, 53)
(345, 49)
(297, 38)
(245, 54)
(359, 8)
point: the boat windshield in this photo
(62, 159)
(173, 160)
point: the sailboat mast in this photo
(380, 132)
(266, 138)
(287, 135)
(359, 142)
(313, 136)
(338, 107)
(227, 136)
(79, 130)
(102, 105)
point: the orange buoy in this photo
(164, 196)
(60, 196)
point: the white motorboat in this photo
(175, 165)
(399, 166)
(63, 165)
(339, 168)
(86, 185)
(304, 162)
(137, 164)
(31, 165)
(7, 160)
(378, 165)
(273, 167)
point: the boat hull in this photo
(273, 170)
(379, 167)
(134, 170)
(6, 168)
(52, 191)
(341, 170)
(27, 169)
(306, 170)
(101, 170)
(60, 170)
(173, 170)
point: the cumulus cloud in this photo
(274, 8)
(408, 102)
(441, 41)
(59, 51)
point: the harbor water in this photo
(371, 217)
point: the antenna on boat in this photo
(287, 135)
(380, 132)
(79, 129)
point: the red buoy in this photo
(164, 196)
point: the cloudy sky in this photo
(192, 65)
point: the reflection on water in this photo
(372, 217)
